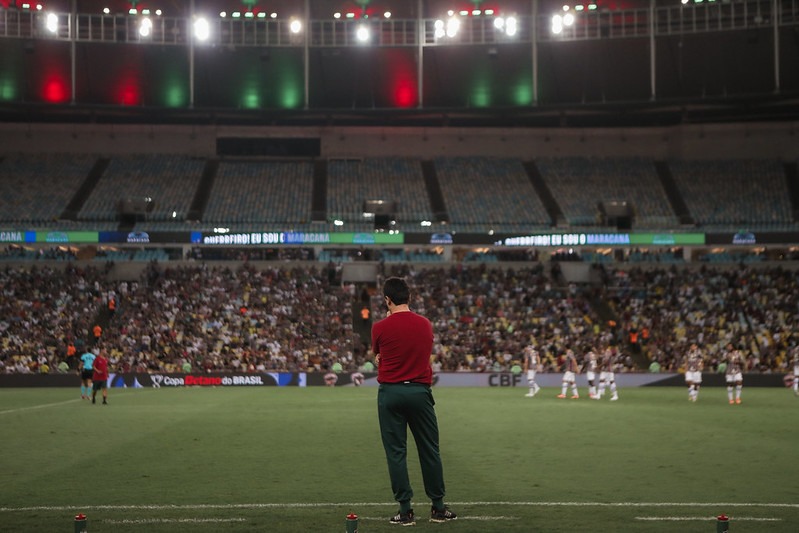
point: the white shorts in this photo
(693, 377)
(610, 377)
(531, 375)
(591, 376)
(734, 378)
(796, 371)
(568, 377)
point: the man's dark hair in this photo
(397, 290)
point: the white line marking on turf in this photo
(176, 521)
(45, 405)
(42, 406)
(705, 518)
(423, 519)
(318, 505)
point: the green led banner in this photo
(604, 239)
(64, 237)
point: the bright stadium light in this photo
(439, 29)
(295, 26)
(362, 33)
(568, 19)
(145, 27)
(499, 23)
(453, 25)
(557, 24)
(202, 29)
(52, 23)
(511, 26)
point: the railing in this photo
(708, 16)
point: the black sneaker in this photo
(94, 400)
(403, 519)
(442, 515)
(105, 402)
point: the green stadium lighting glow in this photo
(8, 90)
(522, 94)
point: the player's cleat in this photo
(403, 519)
(732, 402)
(614, 397)
(575, 397)
(105, 402)
(530, 394)
(442, 515)
(561, 395)
(737, 400)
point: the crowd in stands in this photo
(299, 318)
(754, 309)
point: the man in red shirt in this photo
(402, 343)
(100, 376)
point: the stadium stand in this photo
(731, 195)
(484, 194)
(580, 183)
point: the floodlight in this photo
(273, 15)
(338, 222)
(222, 14)
(295, 26)
(362, 33)
(511, 26)
(499, 23)
(568, 19)
(202, 29)
(453, 25)
(158, 12)
(439, 29)
(52, 23)
(106, 10)
(337, 15)
(387, 14)
(557, 24)
(145, 27)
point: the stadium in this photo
(213, 192)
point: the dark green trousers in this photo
(399, 407)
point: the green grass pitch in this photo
(292, 459)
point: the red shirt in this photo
(100, 369)
(405, 342)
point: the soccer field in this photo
(300, 459)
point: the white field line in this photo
(425, 518)
(56, 404)
(356, 505)
(705, 518)
(176, 521)
(42, 406)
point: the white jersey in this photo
(531, 361)
(591, 365)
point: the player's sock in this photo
(738, 390)
(592, 391)
(729, 393)
(613, 388)
(564, 389)
(601, 388)
(575, 392)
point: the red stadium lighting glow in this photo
(55, 90)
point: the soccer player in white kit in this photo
(795, 362)
(734, 374)
(607, 375)
(693, 372)
(570, 368)
(591, 365)
(531, 361)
